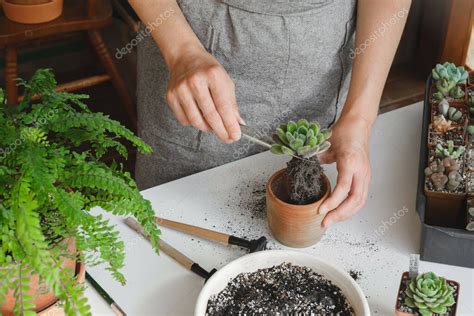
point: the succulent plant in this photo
(470, 129)
(457, 92)
(470, 103)
(302, 138)
(429, 294)
(450, 151)
(441, 124)
(438, 96)
(448, 76)
(449, 112)
(439, 180)
(444, 174)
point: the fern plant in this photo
(51, 176)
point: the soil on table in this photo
(285, 289)
(401, 299)
(305, 177)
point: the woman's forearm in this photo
(379, 27)
(173, 35)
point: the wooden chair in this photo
(78, 16)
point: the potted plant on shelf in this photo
(445, 185)
(51, 176)
(449, 83)
(294, 194)
(426, 295)
(32, 11)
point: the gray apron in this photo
(289, 59)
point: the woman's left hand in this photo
(350, 151)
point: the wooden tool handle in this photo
(164, 246)
(194, 230)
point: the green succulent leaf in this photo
(315, 127)
(291, 127)
(276, 149)
(303, 123)
(287, 150)
(302, 130)
(296, 144)
(282, 136)
(289, 137)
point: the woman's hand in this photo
(201, 93)
(350, 151)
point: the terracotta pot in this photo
(44, 299)
(33, 13)
(293, 225)
(402, 287)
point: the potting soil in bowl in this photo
(283, 289)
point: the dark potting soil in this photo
(356, 275)
(403, 308)
(305, 177)
(285, 289)
(455, 135)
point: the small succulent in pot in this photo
(449, 151)
(449, 112)
(444, 174)
(447, 77)
(441, 124)
(457, 92)
(429, 294)
(304, 140)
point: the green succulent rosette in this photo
(301, 138)
(429, 294)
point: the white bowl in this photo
(269, 258)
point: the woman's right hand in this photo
(201, 93)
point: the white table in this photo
(220, 198)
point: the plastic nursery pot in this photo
(45, 300)
(293, 225)
(37, 12)
(461, 123)
(444, 209)
(470, 215)
(435, 137)
(401, 296)
(451, 101)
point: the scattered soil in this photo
(356, 275)
(305, 177)
(401, 299)
(281, 290)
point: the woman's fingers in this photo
(177, 109)
(343, 186)
(190, 108)
(202, 95)
(353, 203)
(223, 94)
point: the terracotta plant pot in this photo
(37, 11)
(402, 288)
(293, 225)
(44, 299)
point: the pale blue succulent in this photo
(447, 77)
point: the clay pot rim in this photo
(400, 313)
(36, 6)
(298, 207)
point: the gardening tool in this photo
(252, 245)
(246, 131)
(115, 307)
(172, 252)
